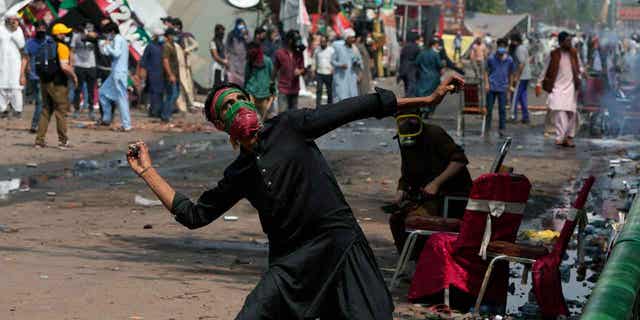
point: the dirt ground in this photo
(86, 139)
(94, 254)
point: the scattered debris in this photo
(231, 218)
(545, 236)
(147, 226)
(51, 194)
(87, 165)
(32, 165)
(141, 201)
(44, 277)
(6, 229)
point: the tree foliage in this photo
(487, 6)
(558, 11)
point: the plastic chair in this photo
(472, 103)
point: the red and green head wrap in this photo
(241, 119)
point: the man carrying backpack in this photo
(12, 65)
(54, 69)
(33, 84)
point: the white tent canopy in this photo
(498, 25)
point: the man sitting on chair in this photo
(433, 166)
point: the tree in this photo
(486, 6)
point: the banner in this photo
(131, 28)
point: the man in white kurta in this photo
(563, 100)
(12, 77)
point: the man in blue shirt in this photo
(498, 78)
(33, 84)
(151, 72)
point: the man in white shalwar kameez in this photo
(114, 89)
(561, 79)
(12, 65)
(345, 62)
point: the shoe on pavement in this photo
(64, 146)
(39, 145)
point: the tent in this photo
(498, 25)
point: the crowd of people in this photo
(271, 65)
(68, 72)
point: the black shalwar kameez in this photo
(320, 263)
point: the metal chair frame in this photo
(487, 275)
(409, 245)
(482, 105)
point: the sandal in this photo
(569, 143)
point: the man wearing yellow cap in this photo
(54, 69)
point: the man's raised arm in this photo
(314, 123)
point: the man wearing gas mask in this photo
(320, 264)
(433, 166)
(289, 66)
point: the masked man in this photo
(433, 166)
(320, 264)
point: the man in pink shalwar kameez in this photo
(561, 79)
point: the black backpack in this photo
(46, 60)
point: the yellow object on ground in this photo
(543, 235)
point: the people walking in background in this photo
(561, 79)
(408, 71)
(260, 36)
(13, 66)
(218, 54)
(53, 65)
(186, 44)
(33, 84)
(364, 70)
(457, 47)
(289, 66)
(345, 61)
(272, 43)
(103, 69)
(171, 73)
(237, 52)
(258, 79)
(522, 76)
(323, 70)
(114, 90)
(151, 73)
(500, 71)
(83, 45)
(429, 72)
(478, 56)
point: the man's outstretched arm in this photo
(211, 205)
(314, 123)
